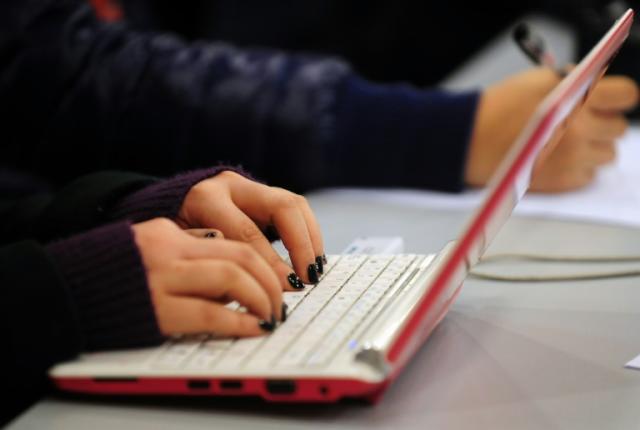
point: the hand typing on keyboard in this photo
(324, 319)
(192, 279)
(243, 209)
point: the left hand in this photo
(190, 281)
(242, 209)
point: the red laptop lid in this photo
(508, 186)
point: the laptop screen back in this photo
(512, 179)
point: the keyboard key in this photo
(239, 351)
(321, 318)
(340, 333)
(326, 320)
(209, 353)
(176, 353)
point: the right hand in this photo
(573, 159)
(192, 279)
(243, 209)
(590, 139)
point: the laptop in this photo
(354, 332)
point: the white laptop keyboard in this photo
(321, 319)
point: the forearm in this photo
(39, 317)
(115, 98)
(81, 205)
(401, 136)
(150, 102)
(37, 321)
(84, 293)
(164, 198)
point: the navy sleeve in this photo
(400, 136)
(120, 99)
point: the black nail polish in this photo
(294, 281)
(324, 259)
(268, 325)
(319, 265)
(312, 272)
(210, 234)
(283, 316)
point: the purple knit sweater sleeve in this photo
(107, 282)
(164, 198)
(104, 270)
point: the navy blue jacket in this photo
(79, 95)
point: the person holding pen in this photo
(588, 143)
(116, 98)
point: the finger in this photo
(604, 127)
(187, 315)
(238, 226)
(614, 93)
(270, 205)
(206, 233)
(244, 256)
(314, 228)
(218, 279)
(293, 230)
(290, 279)
(265, 206)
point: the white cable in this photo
(478, 274)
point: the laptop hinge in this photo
(375, 359)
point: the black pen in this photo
(534, 47)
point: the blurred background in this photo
(422, 42)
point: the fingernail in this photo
(210, 234)
(268, 325)
(294, 281)
(319, 265)
(285, 308)
(324, 259)
(312, 272)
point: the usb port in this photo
(231, 384)
(198, 384)
(281, 386)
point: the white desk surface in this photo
(507, 356)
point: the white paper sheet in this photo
(634, 364)
(614, 196)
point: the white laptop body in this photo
(352, 333)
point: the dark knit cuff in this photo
(107, 282)
(164, 198)
(401, 136)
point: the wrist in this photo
(165, 198)
(107, 283)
